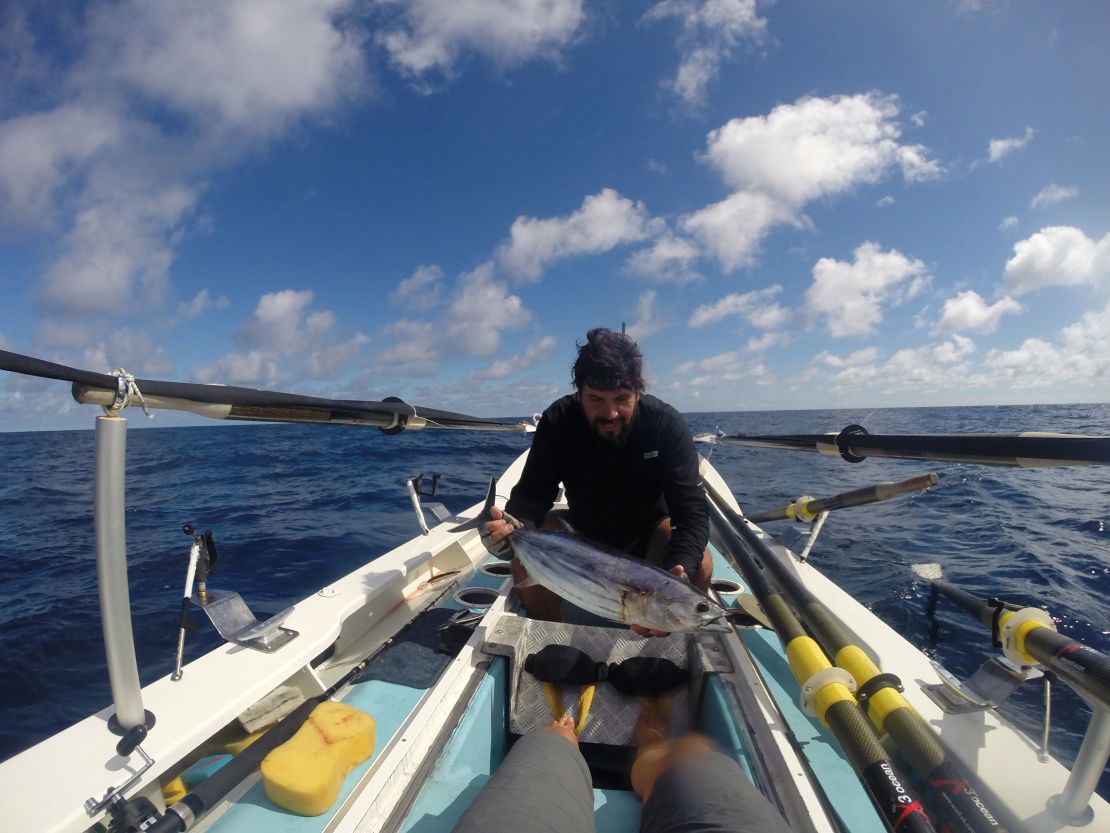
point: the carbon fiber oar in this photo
(894, 799)
(1029, 449)
(248, 404)
(1029, 636)
(879, 693)
(808, 508)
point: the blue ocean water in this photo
(295, 507)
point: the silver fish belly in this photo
(613, 586)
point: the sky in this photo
(790, 204)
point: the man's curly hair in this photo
(607, 361)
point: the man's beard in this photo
(616, 437)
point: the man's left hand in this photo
(679, 571)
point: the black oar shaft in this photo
(893, 797)
(1025, 450)
(238, 403)
(1080, 665)
(807, 508)
(888, 710)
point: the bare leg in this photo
(657, 551)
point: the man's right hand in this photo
(495, 532)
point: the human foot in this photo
(650, 729)
(564, 727)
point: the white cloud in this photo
(850, 296)
(720, 363)
(142, 113)
(40, 151)
(331, 360)
(969, 312)
(711, 30)
(535, 353)
(254, 368)
(279, 324)
(1057, 256)
(432, 36)
(1081, 356)
(859, 358)
(816, 147)
(933, 367)
(732, 229)
(227, 63)
(722, 369)
(1008, 223)
(1053, 194)
(480, 310)
(118, 252)
(605, 220)
(413, 349)
(997, 149)
(284, 340)
(422, 290)
(754, 307)
(885, 202)
(131, 350)
(201, 303)
(647, 321)
(970, 7)
(776, 164)
(670, 259)
(764, 342)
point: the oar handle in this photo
(894, 799)
(807, 508)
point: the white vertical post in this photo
(1072, 806)
(111, 571)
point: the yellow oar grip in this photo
(807, 660)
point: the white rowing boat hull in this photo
(45, 788)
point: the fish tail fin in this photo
(484, 515)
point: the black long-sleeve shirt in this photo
(617, 493)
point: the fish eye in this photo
(703, 607)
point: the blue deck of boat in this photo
(480, 741)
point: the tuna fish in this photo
(609, 584)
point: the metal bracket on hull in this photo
(987, 688)
(235, 622)
(416, 492)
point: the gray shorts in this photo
(543, 786)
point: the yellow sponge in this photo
(304, 774)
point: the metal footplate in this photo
(987, 688)
(612, 715)
(235, 622)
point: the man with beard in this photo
(629, 468)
